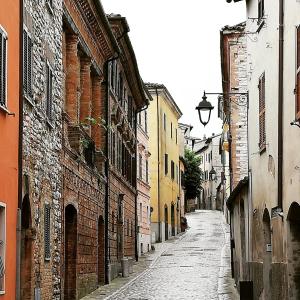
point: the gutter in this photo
(20, 156)
(280, 104)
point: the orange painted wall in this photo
(9, 136)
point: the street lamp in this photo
(205, 108)
(213, 174)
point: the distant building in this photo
(212, 168)
(164, 163)
(143, 184)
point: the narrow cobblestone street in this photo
(195, 266)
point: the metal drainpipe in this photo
(158, 165)
(280, 102)
(20, 169)
(107, 171)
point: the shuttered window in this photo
(47, 232)
(3, 68)
(140, 166)
(27, 64)
(49, 92)
(166, 164)
(147, 171)
(172, 170)
(261, 9)
(297, 90)
(262, 113)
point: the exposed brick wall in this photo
(42, 144)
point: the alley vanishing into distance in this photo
(194, 266)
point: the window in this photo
(27, 65)
(147, 171)
(49, 92)
(177, 174)
(262, 113)
(166, 164)
(47, 233)
(120, 208)
(3, 68)
(148, 214)
(2, 245)
(146, 121)
(113, 222)
(176, 135)
(172, 170)
(297, 89)
(128, 228)
(261, 9)
(140, 166)
(165, 122)
(171, 130)
(140, 118)
(132, 228)
(141, 212)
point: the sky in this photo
(177, 43)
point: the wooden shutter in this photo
(297, 89)
(3, 68)
(262, 113)
(47, 231)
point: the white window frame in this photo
(5, 35)
(3, 205)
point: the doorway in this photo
(267, 255)
(101, 262)
(294, 248)
(26, 250)
(166, 224)
(70, 252)
(173, 219)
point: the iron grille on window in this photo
(47, 232)
(262, 113)
(49, 93)
(3, 68)
(27, 64)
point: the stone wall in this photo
(42, 145)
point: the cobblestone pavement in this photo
(195, 266)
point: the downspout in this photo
(158, 165)
(280, 103)
(20, 169)
(107, 169)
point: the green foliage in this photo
(193, 174)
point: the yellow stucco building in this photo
(164, 163)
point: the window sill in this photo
(262, 149)
(6, 111)
(260, 24)
(29, 100)
(49, 7)
(49, 123)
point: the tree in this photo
(193, 174)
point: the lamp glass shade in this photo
(204, 110)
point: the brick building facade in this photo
(41, 222)
(88, 45)
(125, 98)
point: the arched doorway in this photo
(173, 219)
(243, 238)
(294, 248)
(101, 266)
(26, 250)
(267, 255)
(166, 223)
(70, 252)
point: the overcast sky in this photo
(177, 43)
